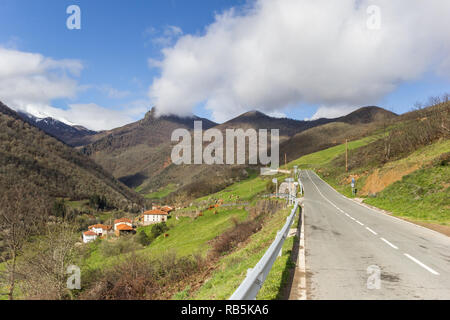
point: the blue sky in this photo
(114, 42)
(118, 38)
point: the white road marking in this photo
(371, 231)
(422, 265)
(307, 173)
(301, 260)
(359, 222)
(390, 244)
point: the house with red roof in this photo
(100, 229)
(123, 229)
(122, 221)
(153, 216)
(89, 236)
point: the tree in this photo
(59, 209)
(98, 202)
(45, 263)
(143, 238)
(159, 229)
(23, 213)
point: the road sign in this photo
(275, 180)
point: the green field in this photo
(161, 193)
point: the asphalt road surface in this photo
(354, 252)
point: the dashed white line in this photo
(422, 264)
(359, 222)
(371, 231)
(390, 244)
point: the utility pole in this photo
(346, 155)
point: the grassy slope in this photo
(186, 237)
(192, 236)
(422, 195)
(161, 193)
(322, 158)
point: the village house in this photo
(123, 229)
(122, 221)
(100, 229)
(153, 216)
(89, 236)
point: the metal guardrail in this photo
(255, 278)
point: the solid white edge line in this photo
(421, 264)
(371, 231)
(390, 244)
(302, 259)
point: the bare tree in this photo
(45, 262)
(22, 212)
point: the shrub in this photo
(158, 229)
(140, 278)
(143, 238)
(270, 187)
(124, 244)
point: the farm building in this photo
(123, 229)
(122, 221)
(153, 216)
(100, 229)
(89, 236)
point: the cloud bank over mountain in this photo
(274, 54)
(30, 82)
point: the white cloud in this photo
(30, 81)
(276, 54)
(30, 78)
